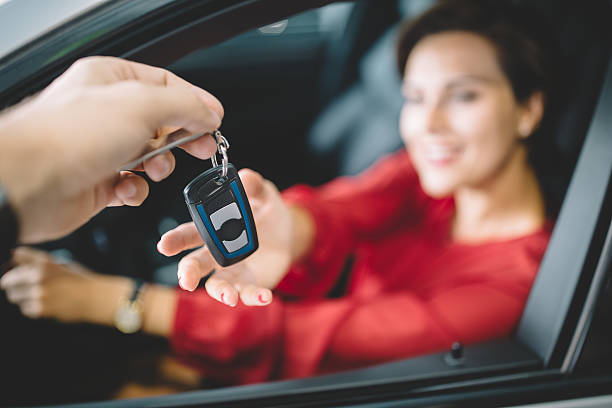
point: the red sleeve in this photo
(352, 334)
(288, 340)
(229, 345)
(347, 210)
(403, 325)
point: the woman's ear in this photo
(530, 115)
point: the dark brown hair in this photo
(507, 27)
(525, 54)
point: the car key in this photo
(176, 138)
(220, 209)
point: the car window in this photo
(19, 31)
(305, 103)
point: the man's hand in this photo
(60, 150)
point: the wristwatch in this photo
(128, 316)
(8, 228)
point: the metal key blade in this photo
(176, 138)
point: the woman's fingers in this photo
(228, 293)
(23, 288)
(252, 295)
(21, 294)
(227, 287)
(222, 290)
(253, 184)
(23, 275)
(181, 238)
(194, 267)
(32, 308)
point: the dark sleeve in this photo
(8, 229)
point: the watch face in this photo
(128, 317)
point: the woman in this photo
(441, 240)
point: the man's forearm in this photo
(24, 171)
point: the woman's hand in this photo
(42, 287)
(251, 279)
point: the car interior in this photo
(312, 92)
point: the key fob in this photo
(221, 212)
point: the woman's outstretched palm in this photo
(251, 279)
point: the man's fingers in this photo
(181, 238)
(131, 189)
(103, 70)
(150, 107)
(162, 77)
(160, 166)
(252, 295)
(194, 267)
(202, 148)
(172, 106)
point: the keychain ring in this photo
(222, 146)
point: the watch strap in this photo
(138, 284)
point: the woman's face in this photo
(460, 120)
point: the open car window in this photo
(287, 74)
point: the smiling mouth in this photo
(440, 155)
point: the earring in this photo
(524, 131)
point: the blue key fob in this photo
(221, 212)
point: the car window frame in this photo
(572, 279)
(534, 351)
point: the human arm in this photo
(246, 344)
(68, 292)
(298, 339)
(60, 150)
(313, 229)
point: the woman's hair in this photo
(525, 54)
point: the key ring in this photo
(222, 146)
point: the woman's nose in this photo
(435, 119)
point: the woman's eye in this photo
(466, 96)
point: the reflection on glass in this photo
(437, 242)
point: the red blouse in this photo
(410, 291)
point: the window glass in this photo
(387, 272)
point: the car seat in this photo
(361, 123)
